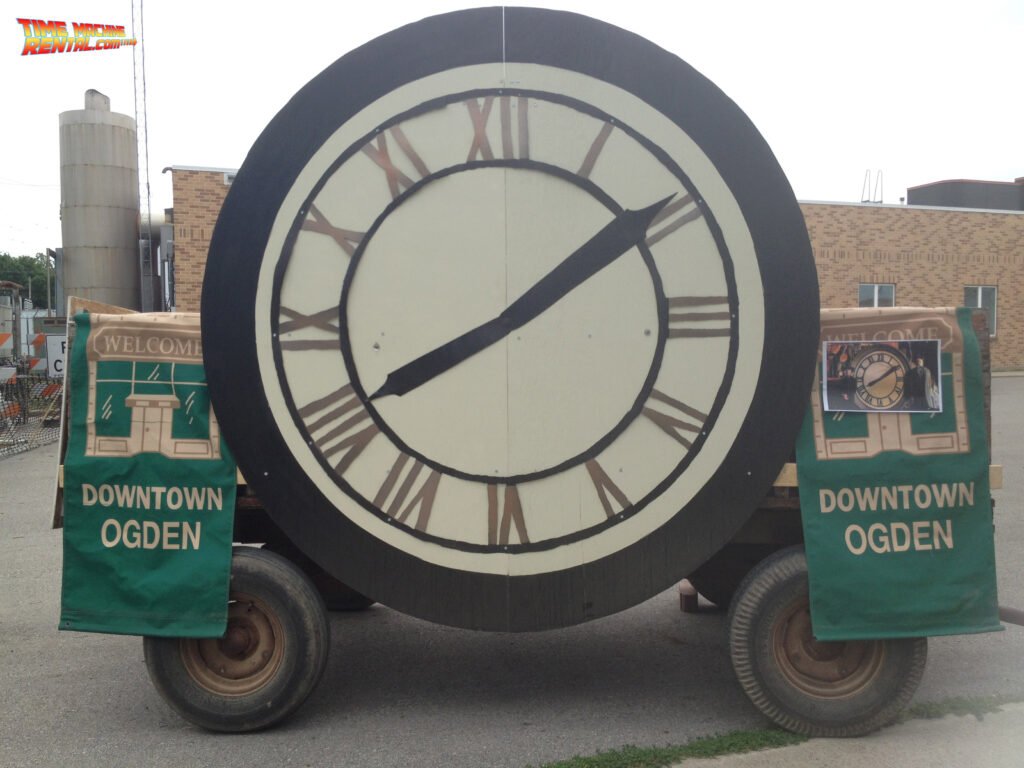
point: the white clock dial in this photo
(435, 224)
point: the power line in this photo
(16, 183)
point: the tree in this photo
(28, 271)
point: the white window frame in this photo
(876, 286)
(979, 305)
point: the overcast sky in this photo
(920, 90)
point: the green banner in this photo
(896, 508)
(149, 486)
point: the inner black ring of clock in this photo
(587, 453)
(605, 199)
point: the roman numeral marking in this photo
(604, 486)
(410, 495)
(340, 427)
(698, 317)
(676, 214)
(325, 320)
(500, 518)
(523, 124)
(481, 145)
(595, 151)
(316, 222)
(679, 421)
(398, 181)
(513, 132)
(292, 320)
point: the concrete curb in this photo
(993, 740)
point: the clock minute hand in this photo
(616, 238)
(884, 375)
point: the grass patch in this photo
(961, 706)
(737, 742)
(731, 743)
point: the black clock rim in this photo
(747, 167)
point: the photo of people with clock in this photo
(886, 376)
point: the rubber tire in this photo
(765, 598)
(287, 593)
(337, 595)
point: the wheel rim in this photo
(826, 670)
(246, 658)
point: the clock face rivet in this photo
(577, 280)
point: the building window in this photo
(877, 295)
(983, 297)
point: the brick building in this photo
(198, 195)
(903, 255)
(866, 254)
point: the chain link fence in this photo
(29, 411)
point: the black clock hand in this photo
(884, 375)
(616, 238)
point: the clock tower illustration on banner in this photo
(510, 318)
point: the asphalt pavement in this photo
(402, 692)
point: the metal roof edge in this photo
(1015, 182)
(198, 168)
(912, 207)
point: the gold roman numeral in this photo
(501, 517)
(291, 320)
(606, 488)
(699, 317)
(399, 501)
(515, 128)
(340, 427)
(377, 150)
(674, 417)
(673, 216)
(316, 222)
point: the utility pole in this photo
(146, 261)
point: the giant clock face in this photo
(509, 324)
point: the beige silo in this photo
(99, 180)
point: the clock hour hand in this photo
(616, 238)
(884, 375)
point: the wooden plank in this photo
(76, 305)
(787, 476)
